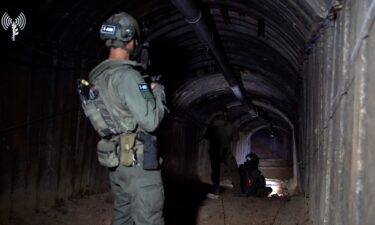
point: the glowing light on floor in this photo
(278, 187)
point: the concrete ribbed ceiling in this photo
(267, 60)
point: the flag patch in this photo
(145, 91)
(143, 87)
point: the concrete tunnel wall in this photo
(337, 126)
(47, 144)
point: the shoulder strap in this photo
(107, 68)
(111, 91)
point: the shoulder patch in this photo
(143, 87)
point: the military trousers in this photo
(230, 162)
(138, 196)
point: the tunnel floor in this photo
(227, 210)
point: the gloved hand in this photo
(155, 80)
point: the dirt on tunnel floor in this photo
(227, 210)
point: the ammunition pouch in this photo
(121, 150)
(127, 153)
(107, 151)
(150, 151)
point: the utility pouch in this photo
(150, 151)
(107, 151)
(127, 143)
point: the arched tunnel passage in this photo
(202, 98)
(304, 65)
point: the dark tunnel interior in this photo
(281, 54)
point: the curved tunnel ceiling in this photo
(201, 97)
(263, 40)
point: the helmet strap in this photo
(130, 51)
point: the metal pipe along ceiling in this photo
(193, 16)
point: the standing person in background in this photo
(220, 133)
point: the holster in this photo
(127, 146)
(150, 151)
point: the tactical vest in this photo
(102, 105)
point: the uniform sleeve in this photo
(146, 107)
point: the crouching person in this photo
(253, 182)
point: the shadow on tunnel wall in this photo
(183, 198)
(170, 61)
(46, 142)
(184, 191)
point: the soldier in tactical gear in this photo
(134, 110)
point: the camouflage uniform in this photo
(138, 193)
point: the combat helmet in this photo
(119, 29)
(252, 160)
